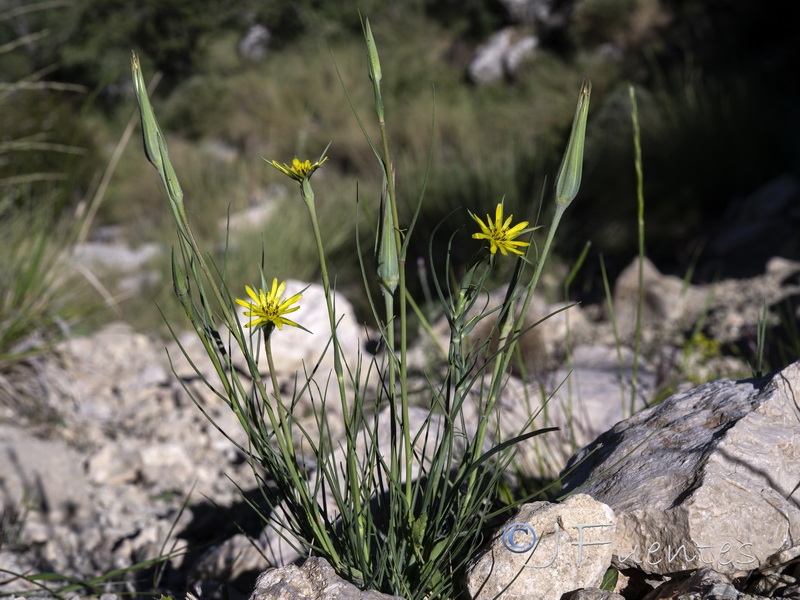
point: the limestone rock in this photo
(43, 475)
(595, 594)
(117, 262)
(115, 464)
(230, 560)
(254, 44)
(572, 550)
(703, 583)
(542, 345)
(251, 219)
(708, 477)
(582, 399)
(315, 580)
(114, 256)
(501, 55)
(666, 299)
(112, 372)
(738, 303)
(106, 489)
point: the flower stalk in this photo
(391, 266)
(566, 189)
(302, 172)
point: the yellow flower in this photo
(299, 170)
(268, 308)
(500, 234)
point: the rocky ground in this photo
(106, 462)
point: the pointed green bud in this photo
(375, 74)
(568, 181)
(372, 53)
(388, 265)
(155, 147)
(149, 126)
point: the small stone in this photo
(315, 580)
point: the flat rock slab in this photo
(707, 478)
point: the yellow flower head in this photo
(268, 308)
(500, 234)
(299, 170)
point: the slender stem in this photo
(392, 199)
(187, 238)
(284, 439)
(388, 300)
(352, 467)
(326, 284)
(501, 364)
(637, 146)
(276, 391)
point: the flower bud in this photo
(568, 181)
(155, 147)
(375, 74)
(388, 265)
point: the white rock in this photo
(571, 550)
(708, 477)
(115, 464)
(42, 475)
(167, 462)
(582, 400)
(114, 256)
(501, 55)
(665, 299)
(315, 580)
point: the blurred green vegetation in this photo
(718, 107)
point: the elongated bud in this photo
(149, 132)
(372, 52)
(388, 265)
(155, 147)
(568, 181)
(375, 74)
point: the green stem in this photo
(637, 146)
(308, 197)
(501, 364)
(352, 467)
(392, 199)
(388, 300)
(287, 450)
(276, 391)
